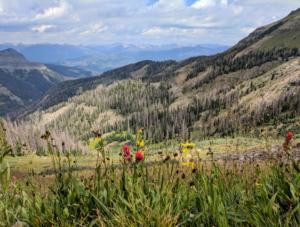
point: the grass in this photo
(170, 194)
(23, 165)
(284, 39)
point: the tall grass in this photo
(165, 194)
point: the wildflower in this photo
(257, 183)
(140, 143)
(189, 164)
(126, 148)
(139, 156)
(289, 136)
(139, 139)
(14, 179)
(185, 150)
(96, 143)
(126, 152)
(286, 146)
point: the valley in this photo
(94, 137)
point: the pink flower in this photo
(126, 152)
(14, 179)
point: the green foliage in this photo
(95, 143)
(120, 137)
(160, 195)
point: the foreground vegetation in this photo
(166, 193)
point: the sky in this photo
(138, 22)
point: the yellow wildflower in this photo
(140, 143)
(95, 143)
(186, 150)
(189, 164)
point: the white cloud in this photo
(224, 2)
(95, 28)
(53, 12)
(247, 30)
(202, 4)
(237, 9)
(42, 28)
(136, 21)
(1, 9)
(167, 4)
(158, 31)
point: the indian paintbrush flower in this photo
(126, 152)
(139, 156)
(289, 136)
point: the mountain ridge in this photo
(23, 81)
(204, 94)
(195, 63)
(99, 59)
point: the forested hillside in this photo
(252, 86)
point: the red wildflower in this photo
(289, 136)
(126, 148)
(126, 152)
(139, 156)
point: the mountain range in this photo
(102, 58)
(253, 86)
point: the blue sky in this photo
(139, 22)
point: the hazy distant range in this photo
(98, 59)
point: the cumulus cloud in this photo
(53, 12)
(202, 4)
(186, 22)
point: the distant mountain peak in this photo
(12, 53)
